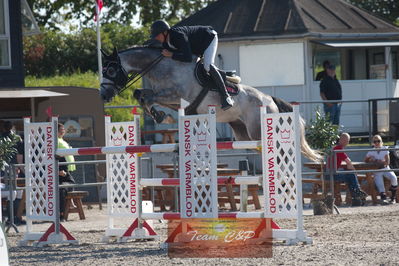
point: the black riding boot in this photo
(226, 100)
(358, 197)
(383, 199)
(393, 190)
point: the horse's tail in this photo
(283, 106)
(307, 151)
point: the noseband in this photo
(115, 72)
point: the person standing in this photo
(330, 89)
(181, 43)
(322, 74)
(381, 158)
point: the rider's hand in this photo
(62, 173)
(167, 53)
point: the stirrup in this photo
(227, 103)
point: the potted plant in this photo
(322, 135)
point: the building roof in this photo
(24, 93)
(279, 18)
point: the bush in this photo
(321, 133)
(7, 151)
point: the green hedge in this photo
(56, 53)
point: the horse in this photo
(169, 81)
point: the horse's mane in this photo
(150, 44)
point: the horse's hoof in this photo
(137, 94)
(158, 116)
(168, 120)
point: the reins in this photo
(129, 79)
(132, 78)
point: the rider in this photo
(181, 43)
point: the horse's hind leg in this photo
(239, 130)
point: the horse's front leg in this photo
(147, 99)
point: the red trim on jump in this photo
(89, 151)
(226, 180)
(136, 149)
(171, 181)
(224, 145)
(227, 215)
(275, 226)
(171, 216)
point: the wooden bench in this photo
(338, 187)
(166, 196)
(77, 207)
(229, 196)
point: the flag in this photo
(49, 111)
(134, 111)
(98, 7)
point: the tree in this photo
(54, 52)
(388, 9)
(51, 13)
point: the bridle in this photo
(114, 71)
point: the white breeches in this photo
(379, 179)
(210, 52)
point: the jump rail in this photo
(228, 145)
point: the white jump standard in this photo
(281, 179)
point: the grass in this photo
(88, 80)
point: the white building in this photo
(278, 46)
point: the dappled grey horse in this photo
(171, 80)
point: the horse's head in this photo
(121, 70)
(115, 77)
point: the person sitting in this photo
(181, 43)
(358, 195)
(381, 159)
(65, 178)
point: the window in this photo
(5, 60)
(333, 56)
(357, 63)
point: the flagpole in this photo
(100, 67)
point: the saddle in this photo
(231, 81)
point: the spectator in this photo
(330, 89)
(381, 159)
(65, 176)
(358, 195)
(62, 144)
(322, 74)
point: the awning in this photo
(341, 44)
(29, 93)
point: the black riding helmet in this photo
(158, 27)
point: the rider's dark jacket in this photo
(188, 41)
